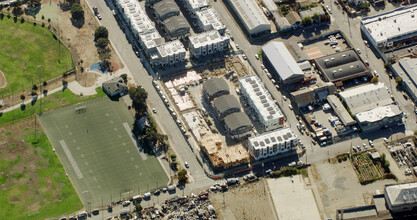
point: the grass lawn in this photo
(32, 179)
(53, 101)
(24, 47)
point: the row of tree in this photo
(101, 37)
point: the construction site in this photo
(196, 116)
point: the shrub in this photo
(34, 87)
(182, 176)
(43, 17)
(77, 12)
(374, 79)
(101, 32)
(398, 79)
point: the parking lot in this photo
(325, 46)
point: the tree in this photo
(138, 208)
(34, 87)
(104, 56)
(374, 79)
(316, 16)
(33, 3)
(45, 83)
(77, 12)
(182, 176)
(49, 20)
(306, 21)
(102, 43)
(124, 76)
(101, 32)
(138, 96)
(173, 157)
(285, 9)
(398, 79)
(365, 6)
(43, 17)
(22, 97)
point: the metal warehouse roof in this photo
(281, 60)
(250, 12)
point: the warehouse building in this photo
(208, 19)
(406, 68)
(176, 27)
(282, 24)
(238, 125)
(372, 106)
(265, 108)
(165, 9)
(214, 88)
(388, 30)
(401, 197)
(281, 63)
(313, 94)
(342, 66)
(311, 12)
(379, 117)
(168, 53)
(364, 98)
(294, 19)
(225, 105)
(207, 43)
(272, 143)
(251, 16)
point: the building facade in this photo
(272, 143)
(238, 125)
(207, 43)
(208, 19)
(379, 117)
(168, 53)
(195, 5)
(267, 111)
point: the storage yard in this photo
(257, 202)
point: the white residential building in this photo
(168, 53)
(206, 43)
(208, 19)
(135, 16)
(272, 143)
(195, 5)
(150, 40)
(252, 17)
(267, 111)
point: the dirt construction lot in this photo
(337, 186)
(250, 201)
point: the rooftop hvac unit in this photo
(340, 70)
(332, 59)
(334, 71)
(351, 66)
(343, 55)
(326, 60)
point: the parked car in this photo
(371, 143)
(256, 56)
(376, 73)
(237, 46)
(284, 97)
(244, 57)
(359, 148)
(262, 66)
(359, 50)
(186, 165)
(290, 107)
(386, 140)
(364, 146)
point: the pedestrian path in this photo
(75, 88)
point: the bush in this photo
(173, 157)
(43, 17)
(124, 76)
(374, 79)
(34, 87)
(45, 83)
(49, 20)
(306, 21)
(22, 97)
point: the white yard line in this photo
(71, 159)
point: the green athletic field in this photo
(99, 153)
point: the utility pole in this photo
(40, 89)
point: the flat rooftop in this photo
(364, 98)
(206, 38)
(389, 25)
(378, 114)
(209, 16)
(271, 138)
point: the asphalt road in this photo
(165, 121)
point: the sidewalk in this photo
(74, 87)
